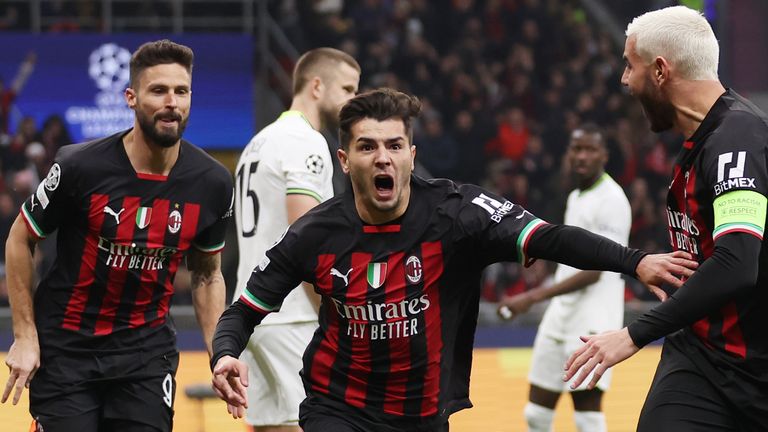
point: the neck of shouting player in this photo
(692, 100)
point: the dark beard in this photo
(660, 112)
(163, 139)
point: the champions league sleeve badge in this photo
(53, 178)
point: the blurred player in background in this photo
(398, 260)
(94, 342)
(9, 92)
(583, 302)
(283, 172)
(712, 374)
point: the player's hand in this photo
(23, 360)
(599, 352)
(236, 412)
(515, 305)
(654, 270)
(230, 378)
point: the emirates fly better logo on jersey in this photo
(386, 320)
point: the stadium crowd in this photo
(504, 82)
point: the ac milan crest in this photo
(413, 270)
(174, 222)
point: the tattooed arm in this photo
(208, 291)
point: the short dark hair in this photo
(159, 52)
(380, 104)
(592, 129)
(315, 62)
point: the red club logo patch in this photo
(174, 222)
(413, 270)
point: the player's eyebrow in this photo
(386, 140)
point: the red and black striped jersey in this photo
(716, 211)
(120, 238)
(400, 300)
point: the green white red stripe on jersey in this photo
(737, 227)
(256, 304)
(525, 236)
(31, 224)
(209, 249)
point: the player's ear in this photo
(413, 157)
(343, 160)
(316, 87)
(130, 98)
(661, 69)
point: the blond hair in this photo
(682, 36)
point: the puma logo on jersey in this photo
(345, 277)
(112, 213)
(32, 203)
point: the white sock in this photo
(589, 421)
(539, 418)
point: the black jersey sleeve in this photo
(734, 155)
(54, 197)
(720, 278)
(582, 249)
(504, 231)
(498, 229)
(271, 281)
(211, 238)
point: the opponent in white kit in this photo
(583, 302)
(282, 173)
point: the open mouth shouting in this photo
(385, 186)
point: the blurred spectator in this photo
(8, 212)
(37, 162)
(23, 183)
(512, 135)
(9, 93)
(437, 150)
(644, 213)
(53, 135)
(469, 138)
(12, 152)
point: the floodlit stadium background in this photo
(503, 83)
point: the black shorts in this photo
(686, 396)
(90, 393)
(318, 414)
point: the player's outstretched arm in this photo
(654, 270)
(230, 379)
(23, 357)
(208, 292)
(582, 249)
(598, 353)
